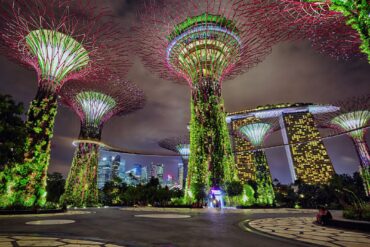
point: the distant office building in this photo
(181, 180)
(144, 175)
(122, 170)
(104, 171)
(156, 171)
(138, 169)
(110, 166)
(153, 170)
(116, 162)
(160, 170)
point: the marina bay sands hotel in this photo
(307, 156)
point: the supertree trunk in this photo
(364, 157)
(81, 187)
(265, 190)
(211, 162)
(26, 183)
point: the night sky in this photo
(292, 73)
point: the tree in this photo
(55, 187)
(113, 191)
(234, 188)
(12, 131)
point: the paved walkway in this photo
(69, 212)
(303, 229)
(123, 227)
(23, 240)
(224, 210)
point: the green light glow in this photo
(95, 106)
(58, 54)
(81, 187)
(204, 18)
(205, 46)
(266, 194)
(24, 184)
(256, 132)
(211, 161)
(353, 120)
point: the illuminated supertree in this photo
(61, 40)
(94, 103)
(256, 132)
(181, 146)
(202, 43)
(353, 119)
(323, 22)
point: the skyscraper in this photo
(307, 157)
(181, 175)
(116, 162)
(160, 170)
(156, 171)
(144, 175)
(104, 170)
(122, 170)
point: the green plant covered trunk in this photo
(364, 156)
(26, 181)
(81, 186)
(265, 190)
(357, 15)
(211, 162)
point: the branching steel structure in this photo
(203, 43)
(61, 40)
(321, 22)
(94, 103)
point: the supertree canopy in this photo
(323, 23)
(181, 146)
(256, 132)
(202, 43)
(61, 40)
(353, 119)
(94, 103)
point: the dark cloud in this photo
(292, 73)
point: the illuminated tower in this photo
(202, 43)
(94, 103)
(307, 157)
(60, 40)
(353, 119)
(256, 133)
(181, 146)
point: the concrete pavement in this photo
(121, 227)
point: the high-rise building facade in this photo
(308, 159)
(243, 153)
(307, 156)
(110, 166)
(104, 171)
(181, 180)
(144, 175)
(116, 163)
(157, 171)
